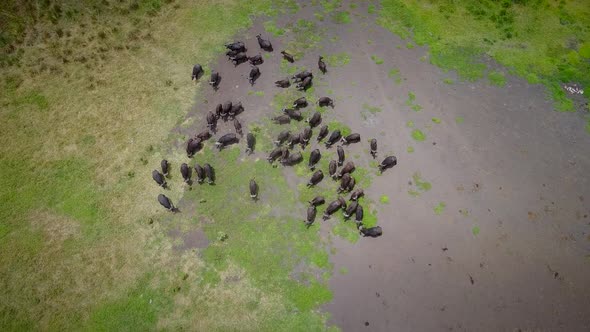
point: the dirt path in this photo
(509, 246)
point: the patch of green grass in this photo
(343, 271)
(371, 9)
(440, 208)
(394, 74)
(459, 120)
(410, 124)
(419, 184)
(377, 59)
(306, 37)
(475, 230)
(271, 27)
(411, 102)
(497, 78)
(459, 34)
(344, 129)
(256, 93)
(319, 16)
(337, 60)
(384, 199)
(410, 149)
(418, 135)
(409, 46)
(341, 17)
(436, 120)
(370, 41)
(449, 81)
(330, 5)
(371, 109)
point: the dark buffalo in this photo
(166, 202)
(293, 114)
(323, 132)
(218, 111)
(193, 146)
(318, 200)
(359, 214)
(204, 135)
(253, 189)
(373, 148)
(332, 168)
(372, 232)
(302, 75)
(314, 158)
(282, 119)
(236, 46)
(311, 213)
(226, 108)
(341, 155)
(300, 102)
(352, 138)
(200, 173)
(254, 75)
(225, 140)
(283, 83)
(294, 139)
(316, 178)
(288, 57)
(342, 202)
(239, 58)
(326, 101)
(347, 169)
(306, 134)
(236, 109)
(388, 162)
(256, 60)
(284, 155)
(186, 173)
(211, 121)
(282, 137)
(165, 166)
(264, 44)
(238, 127)
(322, 65)
(315, 120)
(197, 72)
(305, 84)
(350, 209)
(210, 173)
(344, 181)
(274, 154)
(332, 207)
(250, 142)
(357, 194)
(293, 159)
(215, 79)
(351, 185)
(232, 53)
(334, 137)
(159, 178)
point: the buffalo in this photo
(288, 57)
(323, 132)
(239, 58)
(166, 202)
(294, 139)
(350, 209)
(318, 200)
(236, 109)
(311, 213)
(238, 126)
(358, 218)
(373, 145)
(332, 207)
(282, 137)
(344, 182)
(293, 159)
(250, 142)
(334, 137)
(352, 138)
(302, 75)
(264, 44)
(204, 135)
(186, 173)
(326, 101)
(193, 146)
(254, 75)
(236, 46)
(372, 232)
(306, 135)
(322, 65)
(283, 83)
(388, 162)
(200, 173)
(274, 154)
(314, 158)
(300, 102)
(215, 79)
(210, 173)
(281, 119)
(256, 60)
(357, 194)
(341, 155)
(315, 178)
(225, 140)
(293, 114)
(211, 121)
(351, 185)
(165, 166)
(159, 178)
(253, 189)
(305, 84)
(197, 72)
(218, 111)
(333, 167)
(347, 169)
(315, 120)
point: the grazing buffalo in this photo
(288, 57)
(322, 65)
(372, 232)
(293, 114)
(332, 207)
(293, 159)
(300, 102)
(225, 140)
(204, 135)
(358, 218)
(210, 173)
(347, 169)
(274, 154)
(159, 178)
(239, 58)
(200, 173)
(314, 158)
(250, 142)
(165, 166)
(350, 209)
(352, 138)
(334, 137)
(323, 132)
(166, 202)
(341, 155)
(254, 75)
(283, 83)
(197, 72)
(315, 120)
(283, 136)
(304, 85)
(342, 202)
(236, 46)
(311, 213)
(388, 162)
(193, 146)
(186, 173)
(351, 185)
(326, 101)
(357, 194)
(344, 181)
(238, 127)
(332, 168)
(253, 189)
(318, 200)
(226, 108)
(373, 144)
(215, 79)
(212, 121)
(256, 60)
(302, 75)
(231, 53)
(284, 155)
(306, 135)
(316, 178)
(281, 119)
(218, 111)
(294, 139)
(264, 44)
(236, 109)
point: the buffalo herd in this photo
(284, 142)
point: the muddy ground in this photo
(508, 248)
